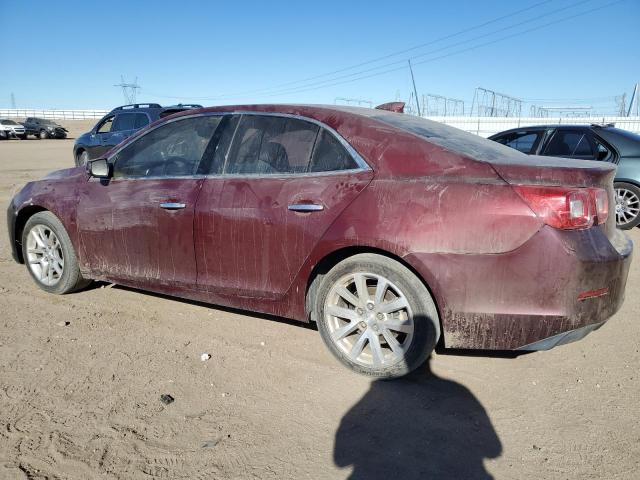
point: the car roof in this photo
(367, 130)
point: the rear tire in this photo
(376, 316)
(49, 255)
(627, 205)
(43, 135)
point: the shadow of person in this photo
(421, 426)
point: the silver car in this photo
(11, 129)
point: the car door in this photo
(138, 225)
(275, 186)
(123, 126)
(97, 146)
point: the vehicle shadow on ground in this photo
(419, 427)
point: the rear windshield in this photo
(451, 138)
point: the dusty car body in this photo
(473, 222)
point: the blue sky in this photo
(70, 54)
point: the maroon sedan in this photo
(389, 231)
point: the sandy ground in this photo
(81, 378)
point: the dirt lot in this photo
(81, 378)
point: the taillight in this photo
(601, 201)
(560, 207)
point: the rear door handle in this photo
(172, 205)
(306, 207)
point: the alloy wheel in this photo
(369, 319)
(627, 206)
(44, 255)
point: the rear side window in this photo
(271, 145)
(524, 142)
(124, 121)
(171, 150)
(329, 155)
(570, 143)
(141, 120)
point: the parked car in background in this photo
(43, 128)
(11, 129)
(589, 142)
(392, 232)
(118, 125)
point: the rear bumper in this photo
(529, 298)
(562, 338)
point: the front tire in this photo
(627, 205)
(376, 316)
(49, 255)
(43, 135)
(82, 158)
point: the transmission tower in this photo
(488, 103)
(621, 103)
(440, 106)
(129, 90)
(353, 101)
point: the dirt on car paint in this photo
(81, 380)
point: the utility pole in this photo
(13, 101)
(634, 100)
(415, 91)
(129, 90)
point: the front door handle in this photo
(306, 207)
(172, 205)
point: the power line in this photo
(374, 60)
(402, 62)
(457, 52)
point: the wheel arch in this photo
(631, 181)
(24, 214)
(334, 257)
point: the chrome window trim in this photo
(363, 166)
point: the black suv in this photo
(588, 142)
(117, 125)
(43, 128)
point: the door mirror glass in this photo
(99, 168)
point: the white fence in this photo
(483, 126)
(57, 114)
(486, 126)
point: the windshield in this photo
(46, 122)
(8, 122)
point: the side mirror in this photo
(99, 168)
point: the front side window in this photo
(173, 150)
(524, 142)
(570, 143)
(105, 125)
(124, 121)
(271, 145)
